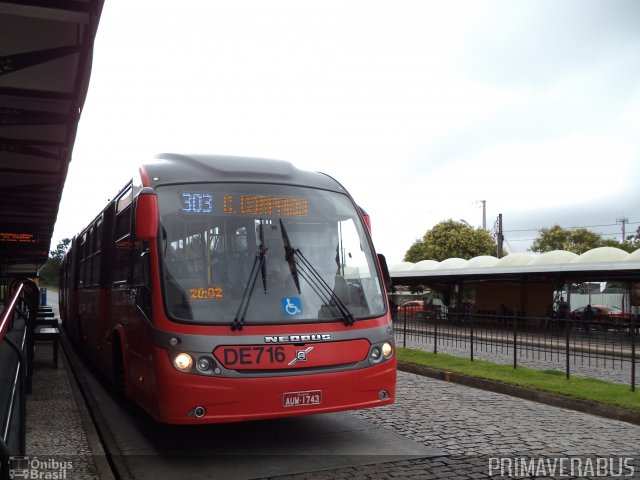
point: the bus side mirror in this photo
(146, 215)
(385, 270)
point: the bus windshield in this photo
(264, 254)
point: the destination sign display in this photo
(204, 203)
(197, 203)
(267, 206)
(21, 238)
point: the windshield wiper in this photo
(259, 263)
(289, 255)
(320, 286)
(262, 252)
(296, 261)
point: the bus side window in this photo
(123, 247)
(141, 276)
(82, 260)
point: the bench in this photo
(48, 334)
(46, 318)
(47, 322)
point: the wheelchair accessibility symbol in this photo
(291, 306)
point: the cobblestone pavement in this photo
(603, 369)
(477, 430)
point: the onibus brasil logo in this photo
(35, 468)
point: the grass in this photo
(552, 381)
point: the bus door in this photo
(132, 324)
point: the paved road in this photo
(463, 420)
(478, 429)
(143, 449)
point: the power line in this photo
(509, 245)
(522, 239)
(534, 239)
(573, 228)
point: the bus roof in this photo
(171, 168)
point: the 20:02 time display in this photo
(205, 293)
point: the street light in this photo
(484, 213)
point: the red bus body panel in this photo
(233, 399)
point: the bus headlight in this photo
(203, 364)
(380, 352)
(183, 362)
(374, 355)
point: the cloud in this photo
(534, 43)
(419, 108)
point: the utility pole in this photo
(484, 213)
(624, 221)
(499, 237)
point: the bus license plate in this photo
(302, 399)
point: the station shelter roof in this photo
(45, 63)
(598, 264)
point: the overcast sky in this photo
(419, 108)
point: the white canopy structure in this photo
(525, 282)
(598, 264)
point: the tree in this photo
(450, 239)
(49, 271)
(61, 249)
(577, 241)
(627, 246)
(634, 240)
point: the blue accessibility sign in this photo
(291, 306)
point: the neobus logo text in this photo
(315, 337)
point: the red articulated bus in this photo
(222, 289)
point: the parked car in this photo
(411, 308)
(602, 316)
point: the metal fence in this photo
(16, 389)
(16, 320)
(604, 350)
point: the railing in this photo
(605, 350)
(18, 388)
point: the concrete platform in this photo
(59, 427)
